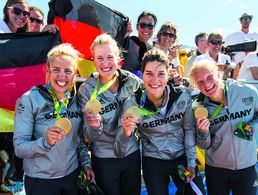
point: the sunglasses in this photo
(248, 19)
(144, 26)
(17, 11)
(39, 21)
(216, 42)
(166, 34)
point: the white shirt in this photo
(222, 58)
(3, 27)
(251, 60)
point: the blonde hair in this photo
(105, 39)
(64, 49)
(209, 65)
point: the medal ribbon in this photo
(105, 87)
(145, 112)
(218, 109)
(60, 107)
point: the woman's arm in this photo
(24, 121)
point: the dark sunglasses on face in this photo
(144, 26)
(39, 21)
(17, 11)
(171, 35)
(215, 42)
(248, 19)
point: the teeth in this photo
(154, 86)
(19, 22)
(61, 84)
(106, 69)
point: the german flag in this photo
(22, 65)
(80, 21)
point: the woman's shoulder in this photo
(3, 27)
(127, 78)
(32, 95)
(238, 87)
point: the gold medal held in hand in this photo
(64, 124)
(201, 112)
(135, 112)
(93, 105)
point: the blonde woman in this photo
(109, 86)
(227, 134)
(48, 153)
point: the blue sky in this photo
(190, 16)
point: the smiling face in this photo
(209, 83)
(35, 25)
(16, 20)
(155, 77)
(61, 74)
(145, 31)
(167, 38)
(214, 45)
(106, 60)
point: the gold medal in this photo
(64, 124)
(93, 105)
(135, 112)
(201, 112)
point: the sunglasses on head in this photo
(215, 42)
(247, 19)
(171, 35)
(17, 11)
(39, 21)
(144, 26)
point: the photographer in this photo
(249, 62)
(223, 61)
(240, 37)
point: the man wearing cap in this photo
(241, 36)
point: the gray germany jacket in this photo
(34, 114)
(103, 138)
(165, 137)
(223, 148)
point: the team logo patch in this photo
(101, 101)
(181, 105)
(248, 100)
(21, 107)
(46, 108)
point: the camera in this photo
(247, 46)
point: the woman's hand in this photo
(173, 52)
(90, 174)
(54, 135)
(175, 77)
(52, 28)
(203, 124)
(129, 28)
(129, 124)
(191, 176)
(92, 120)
